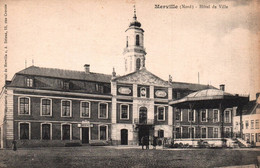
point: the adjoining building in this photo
(52, 107)
(246, 126)
(206, 114)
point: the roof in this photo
(214, 96)
(191, 86)
(250, 107)
(65, 74)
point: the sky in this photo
(222, 45)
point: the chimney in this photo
(87, 68)
(222, 87)
(113, 73)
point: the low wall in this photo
(194, 142)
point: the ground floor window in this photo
(46, 131)
(103, 132)
(24, 131)
(178, 132)
(66, 132)
(215, 132)
(160, 133)
(203, 132)
(192, 133)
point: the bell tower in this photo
(134, 52)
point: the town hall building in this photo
(53, 107)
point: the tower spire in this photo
(134, 13)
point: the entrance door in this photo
(85, 135)
(124, 137)
(143, 131)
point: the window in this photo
(24, 106)
(143, 92)
(85, 109)
(227, 117)
(46, 107)
(138, 63)
(66, 132)
(203, 115)
(66, 85)
(29, 82)
(160, 133)
(215, 132)
(46, 131)
(203, 132)
(191, 115)
(66, 108)
(124, 113)
(215, 115)
(252, 124)
(178, 115)
(247, 124)
(227, 132)
(178, 95)
(161, 111)
(178, 132)
(103, 110)
(137, 40)
(24, 131)
(103, 132)
(256, 124)
(99, 88)
(192, 133)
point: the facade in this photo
(250, 122)
(53, 107)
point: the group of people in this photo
(145, 142)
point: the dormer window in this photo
(66, 85)
(29, 82)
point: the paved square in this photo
(90, 156)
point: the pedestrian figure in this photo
(14, 145)
(147, 142)
(154, 142)
(142, 142)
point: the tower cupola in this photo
(134, 52)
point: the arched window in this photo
(138, 64)
(137, 40)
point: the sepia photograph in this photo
(131, 83)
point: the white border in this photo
(89, 109)
(70, 108)
(158, 113)
(29, 106)
(19, 130)
(70, 131)
(50, 107)
(30, 80)
(99, 110)
(121, 112)
(50, 131)
(106, 132)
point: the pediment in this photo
(143, 77)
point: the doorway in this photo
(85, 135)
(124, 137)
(143, 131)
